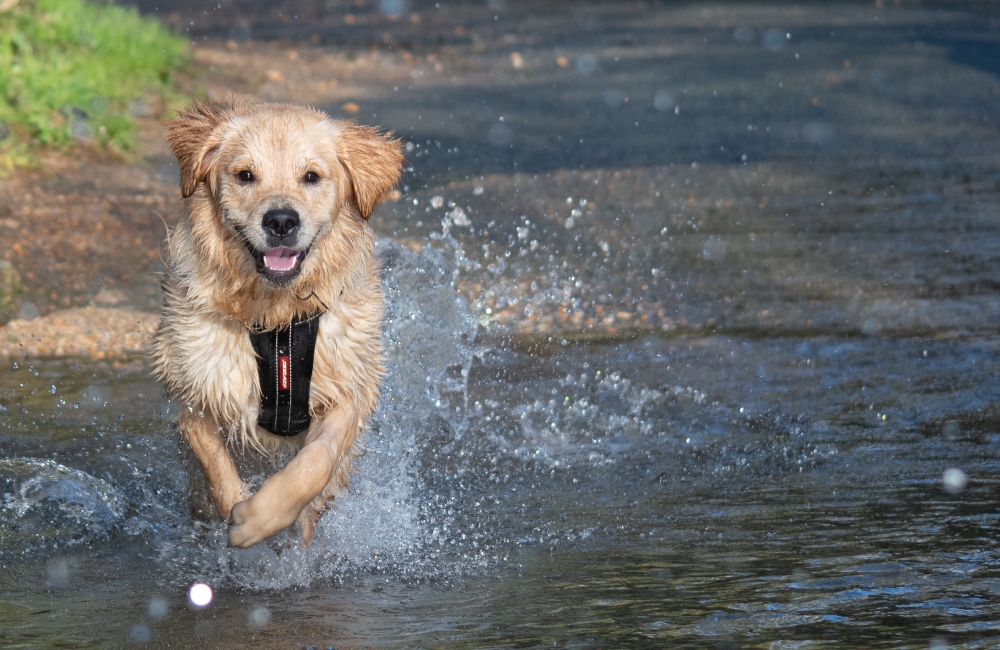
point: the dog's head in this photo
(279, 175)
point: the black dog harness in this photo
(284, 365)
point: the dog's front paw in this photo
(309, 517)
(244, 528)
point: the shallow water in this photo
(658, 491)
(642, 393)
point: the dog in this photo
(275, 256)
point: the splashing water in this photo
(383, 523)
(45, 502)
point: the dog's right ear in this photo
(195, 137)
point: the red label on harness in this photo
(284, 373)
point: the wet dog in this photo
(270, 331)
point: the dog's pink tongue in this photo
(281, 259)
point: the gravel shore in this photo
(94, 332)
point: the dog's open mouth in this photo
(279, 265)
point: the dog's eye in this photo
(245, 176)
(311, 177)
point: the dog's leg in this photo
(283, 496)
(199, 501)
(309, 516)
(209, 446)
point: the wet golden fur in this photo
(213, 293)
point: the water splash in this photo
(384, 523)
(45, 502)
(447, 462)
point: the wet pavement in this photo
(691, 334)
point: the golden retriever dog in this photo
(270, 331)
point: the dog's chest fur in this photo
(203, 353)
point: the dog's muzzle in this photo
(281, 262)
(279, 265)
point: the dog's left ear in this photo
(373, 161)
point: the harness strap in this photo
(284, 365)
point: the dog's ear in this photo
(373, 161)
(195, 136)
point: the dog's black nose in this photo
(280, 223)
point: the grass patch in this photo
(73, 73)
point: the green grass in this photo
(73, 72)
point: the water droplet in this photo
(614, 97)
(200, 595)
(818, 133)
(744, 34)
(499, 135)
(773, 40)
(156, 607)
(57, 570)
(954, 480)
(52, 389)
(260, 616)
(28, 311)
(714, 249)
(586, 63)
(392, 7)
(459, 218)
(140, 633)
(663, 101)
(938, 643)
